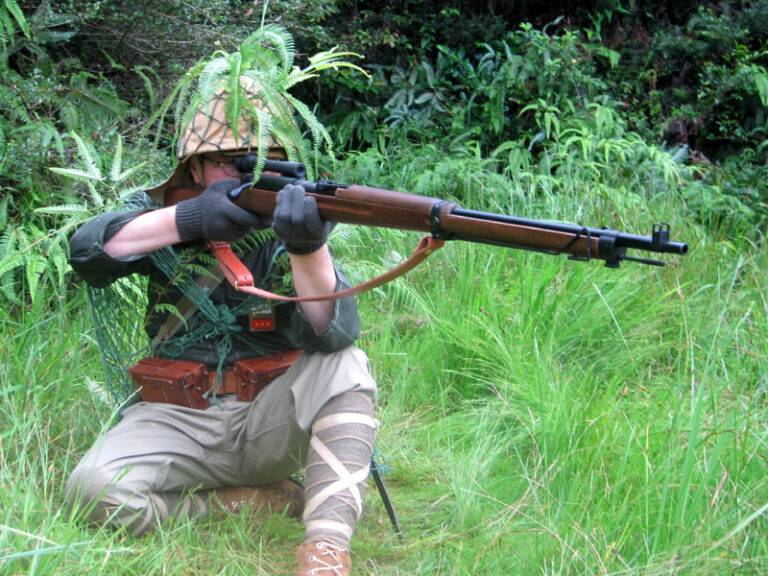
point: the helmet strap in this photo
(197, 170)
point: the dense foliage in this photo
(542, 416)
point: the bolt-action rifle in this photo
(441, 219)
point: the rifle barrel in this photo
(624, 239)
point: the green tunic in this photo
(292, 329)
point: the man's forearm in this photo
(148, 232)
(314, 274)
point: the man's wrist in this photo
(189, 220)
(303, 249)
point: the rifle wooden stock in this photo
(368, 206)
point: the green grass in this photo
(540, 416)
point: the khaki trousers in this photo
(162, 448)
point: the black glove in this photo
(213, 216)
(297, 222)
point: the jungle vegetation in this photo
(539, 415)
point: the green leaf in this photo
(68, 209)
(87, 158)
(236, 91)
(13, 7)
(35, 266)
(117, 161)
(75, 174)
(760, 77)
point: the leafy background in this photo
(540, 416)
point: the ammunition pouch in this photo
(187, 383)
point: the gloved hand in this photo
(297, 222)
(213, 216)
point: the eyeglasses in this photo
(225, 163)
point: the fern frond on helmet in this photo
(239, 101)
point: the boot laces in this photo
(327, 558)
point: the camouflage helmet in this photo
(209, 131)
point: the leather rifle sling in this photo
(240, 277)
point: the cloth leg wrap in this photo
(337, 468)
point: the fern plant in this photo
(12, 20)
(264, 62)
(33, 256)
(104, 188)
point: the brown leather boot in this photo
(275, 497)
(322, 559)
